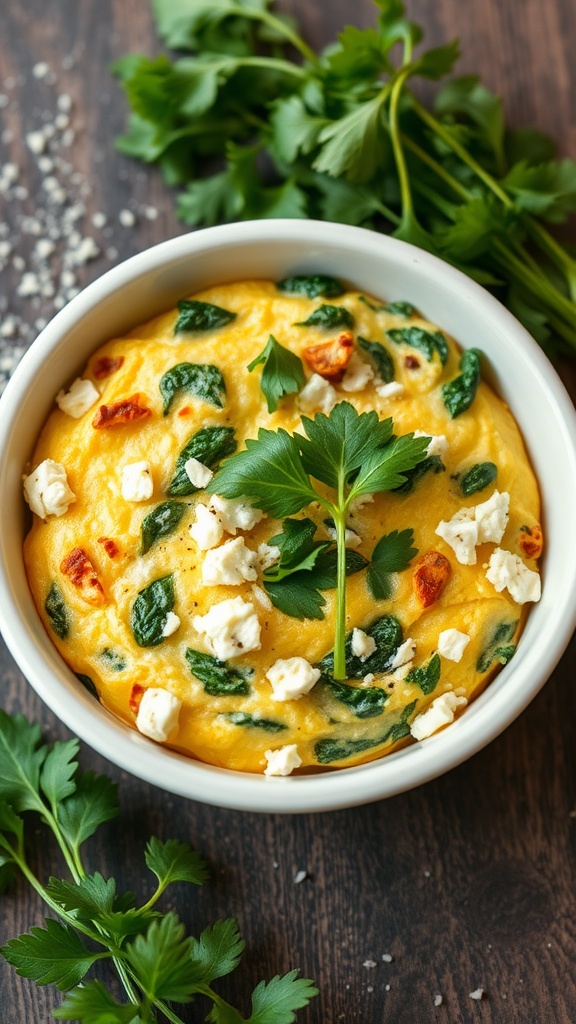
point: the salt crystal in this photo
(40, 70)
(29, 285)
(300, 876)
(99, 220)
(127, 218)
(36, 142)
(369, 963)
(438, 1000)
(387, 958)
(477, 993)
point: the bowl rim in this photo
(485, 719)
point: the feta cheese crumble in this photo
(358, 374)
(230, 564)
(452, 644)
(362, 644)
(351, 538)
(46, 490)
(137, 483)
(198, 474)
(507, 570)
(440, 713)
(404, 654)
(438, 444)
(477, 525)
(78, 399)
(207, 530)
(317, 395)
(230, 628)
(394, 389)
(291, 678)
(282, 761)
(267, 555)
(235, 513)
(171, 625)
(158, 714)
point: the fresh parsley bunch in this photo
(352, 454)
(157, 963)
(339, 135)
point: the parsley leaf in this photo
(218, 950)
(392, 554)
(282, 373)
(172, 861)
(162, 957)
(93, 1004)
(276, 1001)
(94, 801)
(298, 549)
(337, 445)
(51, 955)
(297, 596)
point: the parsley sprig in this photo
(158, 964)
(340, 135)
(350, 453)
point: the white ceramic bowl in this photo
(153, 281)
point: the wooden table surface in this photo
(469, 881)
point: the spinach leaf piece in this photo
(160, 522)
(431, 464)
(203, 380)
(364, 702)
(393, 553)
(405, 309)
(327, 751)
(113, 659)
(478, 477)
(88, 684)
(209, 445)
(311, 285)
(195, 317)
(458, 394)
(150, 611)
(57, 611)
(427, 342)
(497, 648)
(282, 373)
(380, 357)
(250, 721)
(426, 676)
(387, 632)
(328, 317)
(219, 678)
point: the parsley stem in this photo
(275, 64)
(339, 516)
(556, 253)
(396, 138)
(281, 27)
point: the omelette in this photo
(207, 623)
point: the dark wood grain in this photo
(468, 881)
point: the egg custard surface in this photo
(208, 623)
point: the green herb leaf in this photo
(58, 770)
(548, 190)
(458, 394)
(311, 285)
(162, 957)
(337, 445)
(386, 468)
(172, 861)
(364, 702)
(468, 97)
(276, 1001)
(431, 464)
(196, 317)
(21, 759)
(92, 1004)
(298, 549)
(53, 955)
(150, 611)
(203, 380)
(387, 633)
(405, 309)
(282, 373)
(270, 472)
(218, 950)
(88, 684)
(10, 822)
(328, 318)
(295, 130)
(354, 145)
(57, 612)
(393, 553)
(209, 445)
(325, 568)
(94, 801)
(478, 477)
(380, 357)
(427, 342)
(219, 678)
(328, 751)
(497, 643)
(297, 596)
(426, 676)
(253, 721)
(90, 899)
(161, 522)
(115, 661)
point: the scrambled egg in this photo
(88, 558)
